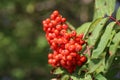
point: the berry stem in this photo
(70, 26)
(88, 50)
(117, 22)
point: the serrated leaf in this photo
(117, 28)
(94, 24)
(58, 71)
(116, 39)
(91, 27)
(103, 41)
(103, 8)
(111, 37)
(96, 32)
(118, 14)
(94, 64)
(112, 50)
(100, 77)
(83, 28)
(101, 68)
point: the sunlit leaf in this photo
(96, 32)
(118, 14)
(100, 77)
(58, 71)
(83, 28)
(103, 41)
(65, 77)
(112, 50)
(88, 77)
(94, 24)
(94, 64)
(103, 8)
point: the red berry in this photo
(67, 46)
(80, 36)
(64, 57)
(69, 63)
(66, 35)
(71, 47)
(60, 56)
(69, 57)
(52, 17)
(50, 25)
(62, 32)
(60, 41)
(56, 13)
(73, 33)
(49, 29)
(78, 47)
(56, 31)
(73, 54)
(59, 27)
(83, 59)
(62, 62)
(50, 56)
(58, 19)
(72, 42)
(65, 41)
(65, 26)
(82, 42)
(65, 52)
(79, 63)
(45, 25)
(54, 61)
(48, 20)
(54, 23)
(63, 19)
(50, 61)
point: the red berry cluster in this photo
(65, 45)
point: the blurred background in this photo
(23, 47)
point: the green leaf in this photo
(88, 77)
(83, 28)
(74, 78)
(58, 71)
(94, 64)
(112, 50)
(94, 24)
(118, 14)
(100, 77)
(103, 8)
(65, 77)
(111, 37)
(101, 67)
(96, 32)
(103, 41)
(116, 39)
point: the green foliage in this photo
(103, 8)
(118, 14)
(103, 41)
(96, 32)
(83, 28)
(103, 37)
